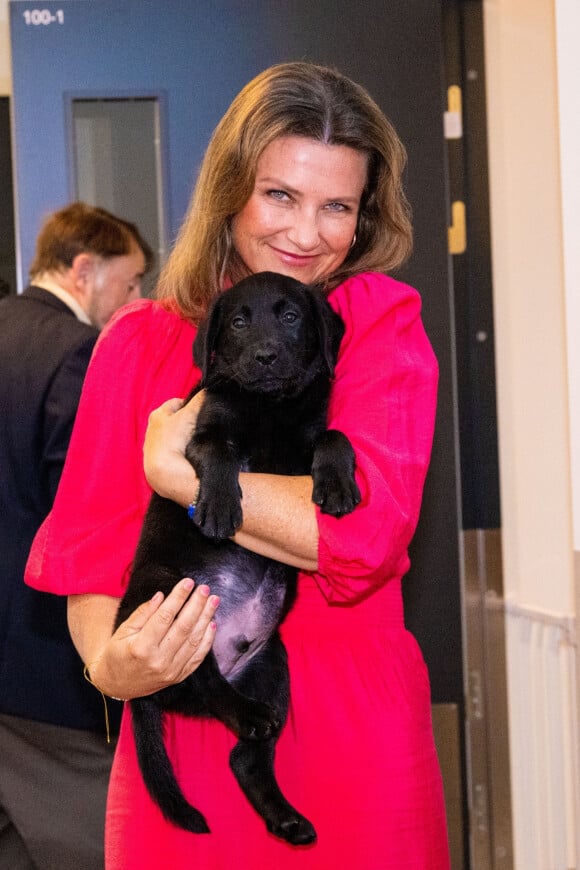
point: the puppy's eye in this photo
(289, 317)
(239, 322)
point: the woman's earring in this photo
(227, 243)
(353, 243)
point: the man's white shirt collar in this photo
(45, 282)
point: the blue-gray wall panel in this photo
(125, 47)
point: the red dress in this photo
(357, 755)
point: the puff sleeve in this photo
(383, 399)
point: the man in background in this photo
(54, 756)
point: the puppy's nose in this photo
(266, 356)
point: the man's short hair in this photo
(85, 229)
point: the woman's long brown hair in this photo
(290, 99)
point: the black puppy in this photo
(267, 353)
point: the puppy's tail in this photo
(157, 770)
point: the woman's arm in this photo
(279, 515)
(161, 643)
(279, 519)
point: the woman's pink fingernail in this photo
(188, 584)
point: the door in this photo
(115, 143)
(198, 55)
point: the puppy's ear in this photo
(329, 326)
(205, 340)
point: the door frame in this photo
(486, 734)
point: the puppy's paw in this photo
(334, 494)
(334, 487)
(218, 516)
(294, 828)
(256, 721)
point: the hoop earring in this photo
(227, 242)
(353, 243)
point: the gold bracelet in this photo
(87, 676)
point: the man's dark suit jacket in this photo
(44, 354)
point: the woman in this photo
(302, 177)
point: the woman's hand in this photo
(160, 644)
(168, 432)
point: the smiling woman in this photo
(302, 215)
(302, 177)
(342, 129)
